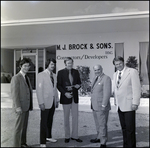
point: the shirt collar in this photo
(68, 70)
(48, 71)
(122, 71)
(22, 73)
(100, 75)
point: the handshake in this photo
(69, 89)
(69, 93)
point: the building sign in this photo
(85, 56)
(103, 50)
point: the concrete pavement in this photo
(84, 104)
(86, 129)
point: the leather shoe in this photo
(78, 140)
(67, 140)
(25, 145)
(103, 145)
(95, 140)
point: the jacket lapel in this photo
(22, 79)
(124, 76)
(48, 77)
(98, 81)
(115, 79)
(73, 75)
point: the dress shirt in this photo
(23, 74)
(122, 71)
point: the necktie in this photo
(70, 77)
(52, 79)
(30, 108)
(119, 78)
(95, 81)
(27, 80)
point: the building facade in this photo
(96, 40)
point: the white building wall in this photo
(130, 39)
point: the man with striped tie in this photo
(127, 92)
(47, 96)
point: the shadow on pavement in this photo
(114, 140)
(86, 130)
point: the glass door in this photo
(32, 73)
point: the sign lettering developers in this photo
(97, 51)
(87, 55)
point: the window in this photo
(119, 50)
(7, 65)
(144, 62)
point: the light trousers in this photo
(74, 110)
(101, 118)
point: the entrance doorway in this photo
(33, 68)
(38, 57)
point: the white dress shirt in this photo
(122, 71)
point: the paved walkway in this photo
(84, 104)
(87, 129)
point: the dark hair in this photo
(48, 62)
(41, 69)
(24, 60)
(68, 59)
(118, 58)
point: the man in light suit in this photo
(48, 100)
(127, 92)
(100, 103)
(68, 83)
(21, 93)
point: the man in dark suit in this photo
(127, 92)
(68, 83)
(100, 103)
(21, 93)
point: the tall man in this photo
(47, 96)
(127, 92)
(21, 93)
(100, 103)
(68, 83)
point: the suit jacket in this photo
(63, 81)
(20, 92)
(45, 91)
(129, 90)
(101, 92)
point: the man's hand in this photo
(19, 110)
(77, 86)
(42, 107)
(57, 104)
(68, 95)
(69, 88)
(134, 107)
(103, 108)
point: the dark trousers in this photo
(20, 130)
(46, 124)
(127, 121)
